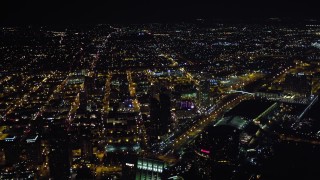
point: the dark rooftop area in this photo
(249, 109)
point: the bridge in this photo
(266, 112)
(239, 91)
(315, 99)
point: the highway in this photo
(107, 93)
(174, 144)
(228, 102)
(299, 139)
(141, 130)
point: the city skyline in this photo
(159, 90)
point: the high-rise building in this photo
(33, 148)
(204, 93)
(149, 169)
(298, 84)
(154, 119)
(217, 148)
(89, 85)
(134, 168)
(86, 147)
(165, 113)
(12, 149)
(129, 167)
(160, 114)
(86, 94)
(83, 101)
(60, 153)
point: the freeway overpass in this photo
(243, 92)
(191, 133)
(315, 99)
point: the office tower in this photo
(60, 153)
(165, 113)
(33, 148)
(129, 167)
(149, 169)
(86, 147)
(298, 84)
(154, 119)
(204, 93)
(12, 149)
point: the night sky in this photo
(114, 11)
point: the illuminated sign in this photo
(128, 164)
(10, 139)
(205, 151)
(32, 140)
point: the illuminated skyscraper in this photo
(149, 169)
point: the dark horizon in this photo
(149, 90)
(34, 12)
